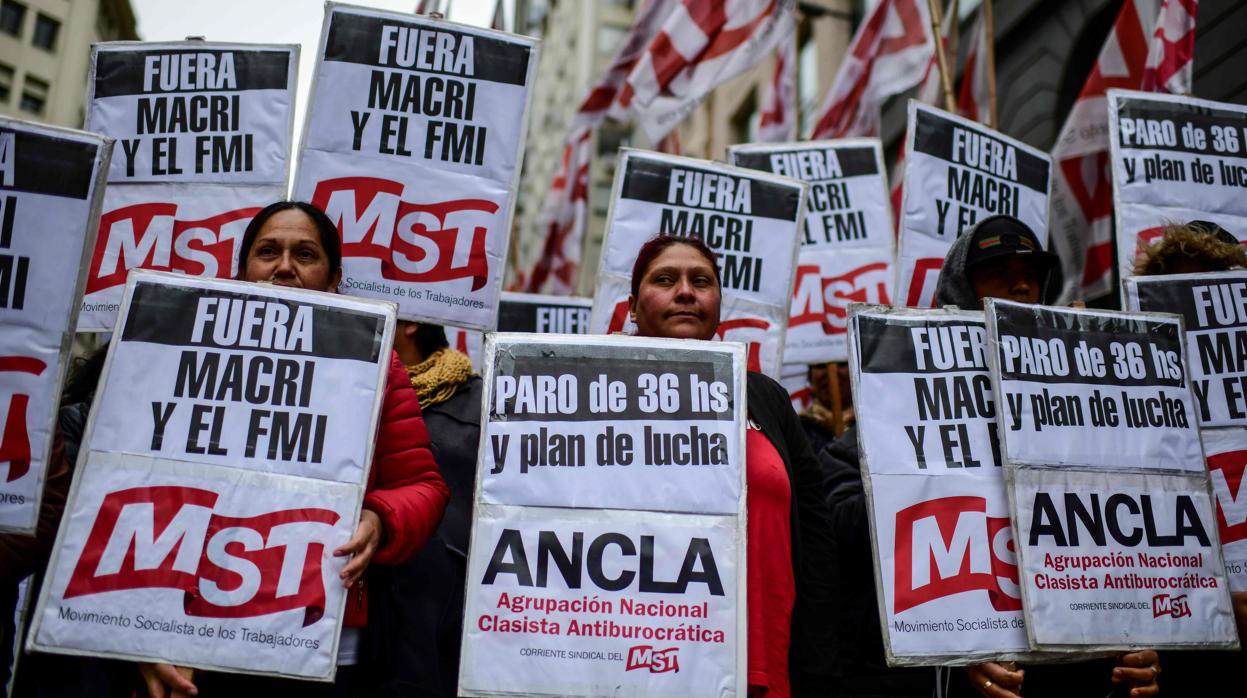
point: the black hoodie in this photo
(954, 288)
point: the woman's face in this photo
(287, 252)
(678, 297)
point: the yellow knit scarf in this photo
(438, 377)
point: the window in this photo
(12, 14)
(46, 30)
(6, 83)
(34, 95)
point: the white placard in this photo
(198, 566)
(413, 144)
(1175, 159)
(51, 183)
(956, 173)
(649, 607)
(1092, 388)
(225, 458)
(608, 539)
(249, 376)
(847, 241)
(203, 135)
(751, 220)
(1111, 503)
(1213, 307)
(1227, 465)
(1114, 560)
(609, 424)
(944, 552)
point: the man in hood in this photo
(1000, 257)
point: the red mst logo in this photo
(228, 567)
(949, 546)
(656, 661)
(427, 241)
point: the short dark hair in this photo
(329, 238)
(429, 338)
(655, 246)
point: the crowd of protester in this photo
(813, 621)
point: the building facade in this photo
(45, 48)
(579, 39)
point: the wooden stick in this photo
(837, 400)
(990, 30)
(946, 81)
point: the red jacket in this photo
(405, 489)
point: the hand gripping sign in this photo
(1112, 510)
(847, 242)
(1175, 159)
(608, 545)
(225, 459)
(203, 135)
(1213, 307)
(51, 186)
(751, 220)
(946, 569)
(413, 144)
(957, 172)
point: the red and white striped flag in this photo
(563, 213)
(886, 56)
(1171, 59)
(974, 102)
(702, 44)
(425, 7)
(778, 121)
(930, 91)
(1081, 224)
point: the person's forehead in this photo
(1015, 263)
(290, 228)
(681, 256)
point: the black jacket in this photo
(811, 658)
(859, 637)
(415, 616)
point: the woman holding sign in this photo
(676, 294)
(295, 244)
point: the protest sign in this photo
(946, 570)
(224, 460)
(751, 220)
(531, 312)
(1120, 560)
(1117, 546)
(1093, 388)
(608, 542)
(1214, 311)
(203, 135)
(1175, 159)
(51, 186)
(527, 312)
(414, 135)
(846, 245)
(956, 173)
(1227, 463)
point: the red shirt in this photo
(772, 590)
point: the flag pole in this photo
(990, 39)
(946, 82)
